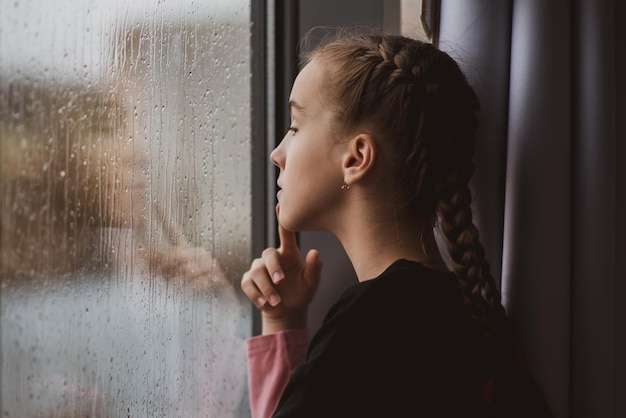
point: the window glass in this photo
(125, 207)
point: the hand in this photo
(281, 284)
(177, 260)
(188, 263)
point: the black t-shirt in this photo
(399, 345)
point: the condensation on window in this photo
(125, 207)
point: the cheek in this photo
(312, 190)
(129, 200)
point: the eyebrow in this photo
(293, 105)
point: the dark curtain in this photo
(550, 185)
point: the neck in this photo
(372, 247)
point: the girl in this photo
(387, 124)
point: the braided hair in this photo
(418, 105)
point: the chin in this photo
(299, 224)
(287, 222)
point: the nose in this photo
(277, 156)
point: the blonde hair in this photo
(53, 144)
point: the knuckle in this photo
(268, 252)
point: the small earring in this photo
(345, 186)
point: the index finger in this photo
(173, 232)
(288, 241)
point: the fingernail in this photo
(260, 301)
(277, 276)
(274, 300)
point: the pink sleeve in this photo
(271, 359)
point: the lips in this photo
(280, 190)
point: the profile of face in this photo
(124, 184)
(307, 201)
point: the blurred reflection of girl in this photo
(106, 310)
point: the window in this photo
(126, 207)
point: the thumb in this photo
(313, 268)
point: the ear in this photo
(359, 158)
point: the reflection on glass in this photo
(125, 208)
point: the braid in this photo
(480, 293)
(450, 148)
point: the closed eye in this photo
(292, 130)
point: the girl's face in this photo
(309, 158)
(125, 185)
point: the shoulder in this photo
(404, 288)
(404, 275)
(417, 308)
(406, 324)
